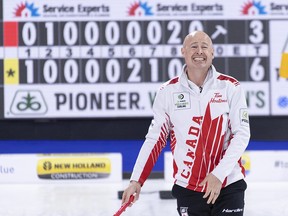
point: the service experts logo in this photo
(26, 10)
(253, 8)
(140, 9)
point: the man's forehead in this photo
(197, 37)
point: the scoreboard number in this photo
(174, 68)
(258, 34)
(70, 33)
(91, 33)
(50, 32)
(113, 71)
(135, 65)
(92, 71)
(29, 34)
(175, 27)
(196, 26)
(154, 32)
(112, 33)
(50, 71)
(133, 32)
(257, 71)
(154, 70)
(71, 71)
(30, 72)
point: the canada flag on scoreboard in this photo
(10, 34)
(11, 71)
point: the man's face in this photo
(198, 51)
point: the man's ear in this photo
(182, 51)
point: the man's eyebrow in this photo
(202, 43)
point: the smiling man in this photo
(197, 51)
(205, 113)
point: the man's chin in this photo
(201, 66)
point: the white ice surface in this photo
(262, 199)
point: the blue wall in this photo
(128, 148)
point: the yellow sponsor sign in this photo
(74, 168)
(283, 72)
(11, 71)
(284, 66)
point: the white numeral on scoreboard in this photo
(70, 33)
(71, 71)
(29, 33)
(154, 70)
(196, 26)
(112, 33)
(50, 71)
(113, 71)
(135, 65)
(257, 70)
(30, 72)
(50, 33)
(91, 33)
(174, 68)
(133, 32)
(92, 71)
(154, 32)
(175, 27)
(258, 35)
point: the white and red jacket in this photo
(208, 127)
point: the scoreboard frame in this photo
(79, 67)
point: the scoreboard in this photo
(80, 59)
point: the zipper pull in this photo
(201, 88)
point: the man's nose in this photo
(199, 50)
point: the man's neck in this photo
(197, 76)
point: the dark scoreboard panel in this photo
(135, 51)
